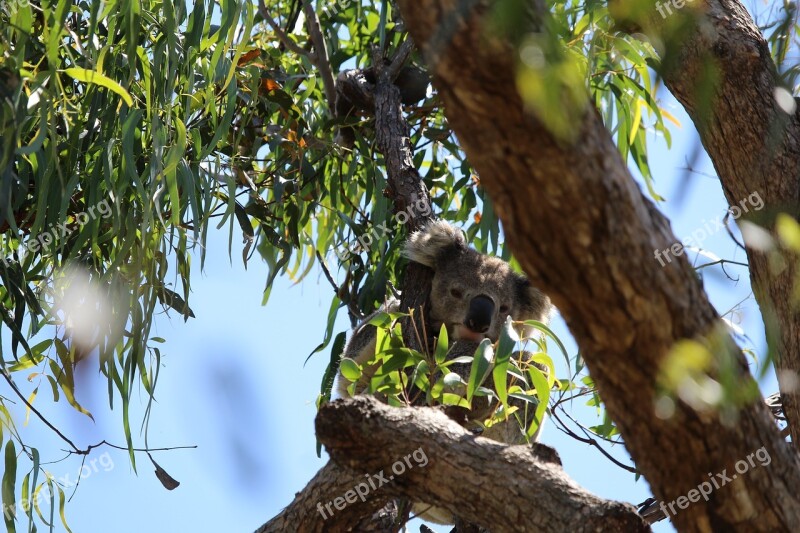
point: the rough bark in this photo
(585, 234)
(468, 475)
(405, 188)
(331, 482)
(755, 147)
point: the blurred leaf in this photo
(9, 481)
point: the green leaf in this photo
(9, 481)
(441, 345)
(61, 501)
(173, 159)
(33, 358)
(543, 395)
(350, 369)
(332, 311)
(174, 300)
(505, 345)
(32, 499)
(397, 358)
(330, 376)
(460, 360)
(544, 359)
(420, 376)
(64, 377)
(333, 366)
(549, 332)
(92, 76)
(452, 381)
(448, 398)
(481, 366)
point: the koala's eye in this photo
(503, 309)
(455, 293)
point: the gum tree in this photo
(128, 128)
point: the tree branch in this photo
(331, 482)
(282, 35)
(322, 62)
(424, 456)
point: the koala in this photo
(472, 294)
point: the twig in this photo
(147, 450)
(63, 437)
(400, 58)
(37, 413)
(322, 62)
(730, 232)
(590, 441)
(282, 35)
(327, 272)
(721, 262)
(351, 307)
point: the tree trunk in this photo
(583, 231)
(755, 147)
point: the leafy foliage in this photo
(493, 373)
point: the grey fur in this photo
(442, 247)
(461, 275)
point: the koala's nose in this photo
(479, 316)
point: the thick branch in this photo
(585, 234)
(331, 482)
(425, 456)
(406, 189)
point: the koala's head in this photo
(472, 293)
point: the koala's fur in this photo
(461, 274)
(472, 294)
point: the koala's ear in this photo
(427, 245)
(533, 303)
